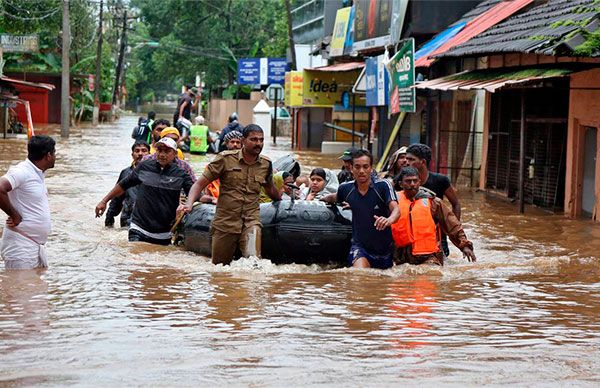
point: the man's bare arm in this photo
(272, 192)
(5, 205)
(194, 195)
(115, 192)
(453, 198)
(329, 198)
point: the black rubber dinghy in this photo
(301, 232)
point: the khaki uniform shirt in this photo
(238, 203)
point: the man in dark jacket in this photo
(124, 203)
(233, 125)
(160, 183)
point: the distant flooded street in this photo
(112, 313)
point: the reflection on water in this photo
(108, 312)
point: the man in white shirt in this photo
(24, 198)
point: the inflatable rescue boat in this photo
(301, 232)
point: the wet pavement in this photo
(112, 313)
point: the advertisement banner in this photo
(401, 69)
(339, 32)
(293, 88)
(377, 81)
(325, 88)
(372, 20)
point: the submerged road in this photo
(108, 312)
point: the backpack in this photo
(141, 131)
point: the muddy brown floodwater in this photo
(108, 312)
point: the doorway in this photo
(588, 200)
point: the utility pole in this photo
(97, 80)
(120, 61)
(65, 105)
(288, 11)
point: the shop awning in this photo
(492, 80)
(340, 67)
(26, 83)
(474, 27)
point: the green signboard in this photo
(402, 77)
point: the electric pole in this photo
(120, 62)
(97, 80)
(65, 105)
(288, 12)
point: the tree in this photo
(206, 36)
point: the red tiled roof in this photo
(476, 26)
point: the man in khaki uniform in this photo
(242, 174)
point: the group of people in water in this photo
(398, 216)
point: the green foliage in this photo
(44, 18)
(591, 47)
(205, 36)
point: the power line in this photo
(4, 12)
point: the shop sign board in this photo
(340, 31)
(401, 69)
(19, 43)
(293, 88)
(325, 88)
(377, 81)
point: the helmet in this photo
(233, 117)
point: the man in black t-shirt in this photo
(186, 102)
(419, 156)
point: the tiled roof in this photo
(543, 30)
(494, 15)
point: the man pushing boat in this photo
(242, 173)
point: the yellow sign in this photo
(293, 88)
(325, 88)
(339, 32)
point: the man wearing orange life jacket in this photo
(422, 218)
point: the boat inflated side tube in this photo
(302, 232)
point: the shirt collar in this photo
(35, 168)
(371, 184)
(240, 157)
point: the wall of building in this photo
(219, 111)
(38, 103)
(584, 111)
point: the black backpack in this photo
(141, 131)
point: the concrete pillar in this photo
(262, 117)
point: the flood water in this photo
(108, 312)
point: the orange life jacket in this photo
(214, 188)
(416, 226)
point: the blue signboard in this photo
(263, 71)
(276, 70)
(249, 71)
(377, 82)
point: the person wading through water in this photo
(124, 203)
(423, 217)
(24, 198)
(419, 156)
(374, 209)
(242, 173)
(161, 182)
